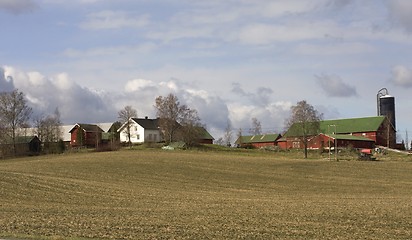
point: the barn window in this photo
(296, 144)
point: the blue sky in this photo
(230, 60)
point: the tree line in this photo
(177, 122)
(15, 115)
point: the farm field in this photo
(153, 194)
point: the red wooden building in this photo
(355, 132)
(91, 135)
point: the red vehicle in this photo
(366, 154)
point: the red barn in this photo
(356, 132)
(91, 135)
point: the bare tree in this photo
(256, 127)
(14, 113)
(48, 129)
(177, 122)
(124, 115)
(114, 136)
(304, 122)
(168, 110)
(239, 140)
(191, 128)
(227, 138)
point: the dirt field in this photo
(203, 195)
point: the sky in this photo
(231, 60)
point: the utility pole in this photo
(329, 141)
(335, 142)
(336, 145)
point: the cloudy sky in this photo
(232, 60)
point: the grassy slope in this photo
(143, 194)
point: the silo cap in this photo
(386, 96)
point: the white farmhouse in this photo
(141, 130)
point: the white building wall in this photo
(152, 136)
(136, 134)
(139, 135)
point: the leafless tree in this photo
(304, 122)
(256, 127)
(239, 140)
(168, 110)
(14, 113)
(48, 129)
(176, 121)
(191, 128)
(227, 138)
(124, 115)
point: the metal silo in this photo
(386, 106)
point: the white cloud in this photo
(6, 82)
(402, 76)
(114, 20)
(138, 85)
(62, 82)
(36, 79)
(75, 103)
(272, 116)
(80, 104)
(244, 21)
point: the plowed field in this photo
(201, 195)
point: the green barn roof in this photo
(205, 134)
(343, 126)
(348, 137)
(352, 125)
(257, 138)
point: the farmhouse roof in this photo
(258, 138)
(87, 127)
(205, 134)
(146, 123)
(343, 126)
